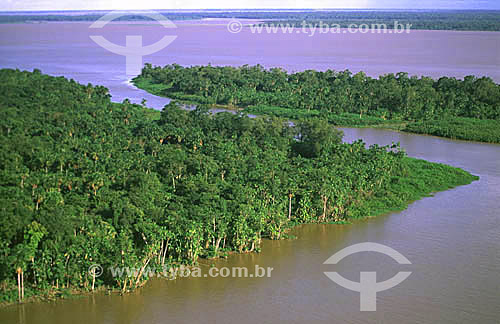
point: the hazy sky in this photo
(208, 4)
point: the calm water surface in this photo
(66, 49)
(452, 239)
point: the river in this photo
(452, 239)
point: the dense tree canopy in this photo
(84, 181)
(391, 96)
(422, 19)
(339, 96)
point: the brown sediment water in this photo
(452, 239)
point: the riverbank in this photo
(430, 112)
(88, 181)
(463, 20)
(458, 128)
(422, 179)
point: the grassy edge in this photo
(421, 180)
(417, 127)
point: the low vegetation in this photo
(481, 130)
(446, 107)
(480, 20)
(85, 181)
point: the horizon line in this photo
(260, 9)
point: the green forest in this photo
(86, 181)
(485, 20)
(467, 109)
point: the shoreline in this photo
(245, 25)
(396, 125)
(52, 295)
(412, 180)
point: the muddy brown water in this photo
(452, 239)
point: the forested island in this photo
(477, 20)
(87, 181)
(467, 109)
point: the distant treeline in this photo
(426, 20)
(91, 17)
(431, 20)
(330, 94)
(85, 181)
